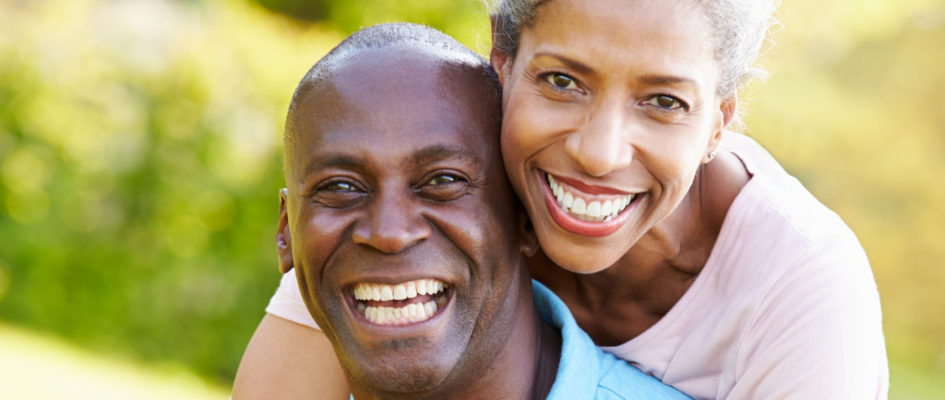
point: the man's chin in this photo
(398, 377)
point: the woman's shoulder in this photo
(776, 200)
(776, 226)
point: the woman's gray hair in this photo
(739, 30)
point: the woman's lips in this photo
(598, 214)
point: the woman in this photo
(684, 248)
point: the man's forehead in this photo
(400, 82)
(423, 97)
(381, 69)
(406, 105)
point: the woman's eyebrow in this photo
(656, 79)
(570, 63)
(645, 79)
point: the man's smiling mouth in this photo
(401, 304)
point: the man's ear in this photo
(499, 59)
(283, 237)
(527, 237)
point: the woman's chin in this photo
(578, 258)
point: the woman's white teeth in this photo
(606, 208)
(411, 313)
(588, 210)
(579, 206)
(402, 291)
(593, 209)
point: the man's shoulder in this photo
(587, 372)
(624, 381)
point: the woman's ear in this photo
(527, 237)
(498, 58)
(727, 109)
(283, 237)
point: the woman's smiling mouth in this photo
(400, 304)
(589, 210)
(586, 214)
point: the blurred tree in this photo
(306, 10)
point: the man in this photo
(408, 243)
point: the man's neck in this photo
(548, 356)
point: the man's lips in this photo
(400, 304)
(598, 213)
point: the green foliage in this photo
(140, 158)
(140, 163)
(463, 19)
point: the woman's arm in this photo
(285, 360)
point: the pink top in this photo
(785, 307)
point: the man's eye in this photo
(560, 81)
(338, 187)
(442, 180)
(444, 187)
(338, 194)
(667, 102)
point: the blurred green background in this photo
(140, 161)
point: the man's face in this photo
(404, 230)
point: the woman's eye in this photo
(667, 102)
(560, 81)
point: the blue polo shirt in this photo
(587, 372)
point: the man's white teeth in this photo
(588, 210)
(402, 291)
(411, 313)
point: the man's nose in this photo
(602, 144)
(392, 224)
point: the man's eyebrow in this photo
(442, 152)
(324, 161)
(423, 156)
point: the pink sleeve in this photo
(817, 334)
(287, 302)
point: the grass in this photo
(39, 367)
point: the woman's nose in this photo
(392, 225)
(602, 144)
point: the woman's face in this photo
(610, 107)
